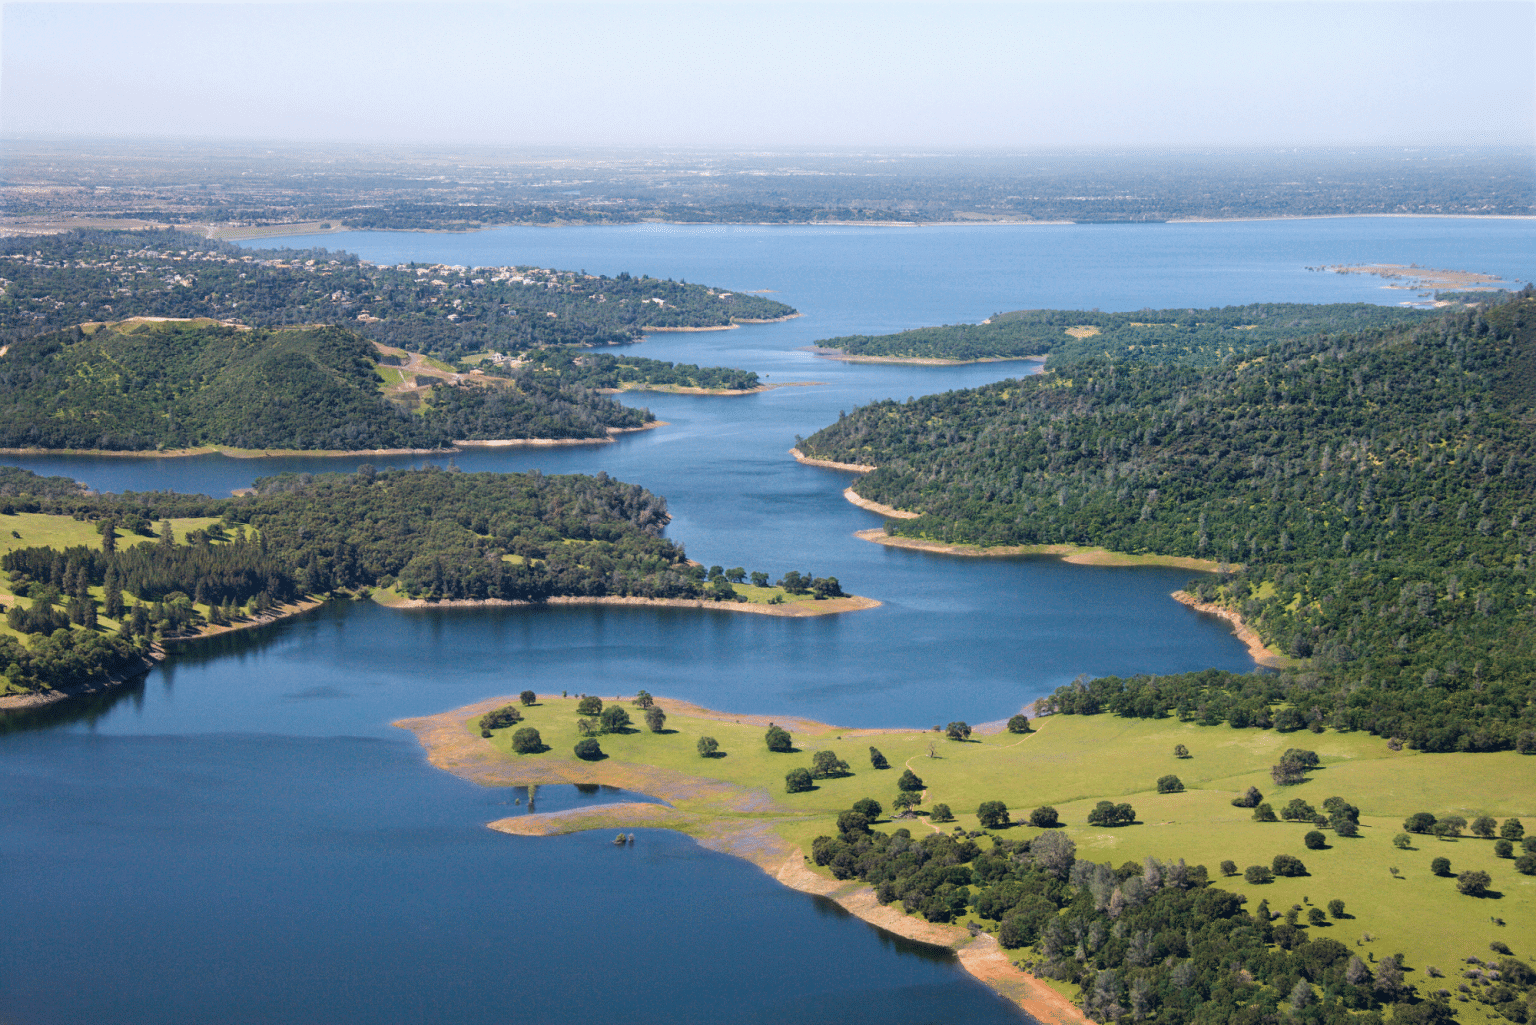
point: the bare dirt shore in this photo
(849, 603)
(452, 746)
(888, 511)
(801, 457)
(1075, 554)
(919, 361)
(1263, 655)
(675, 389)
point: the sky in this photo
(729, 75)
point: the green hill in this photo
(1377, 490)
(136, 386)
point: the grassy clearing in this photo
(1072, 762)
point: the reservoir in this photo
(243, 837)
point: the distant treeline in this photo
(602, 370)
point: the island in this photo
(1083, 888)
(1192, 337)
(1363, 504)
(98, 587)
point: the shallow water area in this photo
(244, 830)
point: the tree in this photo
(869, 808)
(1485, 826)
(527, 741)
(1258, 874)
(588, 727)
(1419, 822)
(1336, 908)
(1170, 785)
(1249, 798)
(798, 781)
(1315, 841)
(505, 716)
(528, 697)
(1298, 811)
(877, 760)
(906, 800)
(1288, 865)
(1503, 849)
(853, 822)
(655, 719)
(1106, 813)
(1229, 868)
(708, 747)
(1018, 723)
(778, 739)
(992, 815)
(1044, 817)
(825, 764)
(1180, 751)
(591, 704)
(644, 700)
(1440, 866)
(588, 750)
(614, 719)
(1345, 827)
(1474, 883)
(1526, 864)
(759, 580)
(941, 813)
(957, 731)
(1513, 829)
(909, 781)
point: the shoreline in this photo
(1078, 555)
(917, 361)
(801, 457)
(733, 325)
(329, 453)
(889, 512)
(675, 389)
(1257, 650)
(450, 746)
(790, 610)
(156, 654)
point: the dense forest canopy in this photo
(430, 533)
(1376, 491)
(1195, 337)
(139, 386)
(55, 281)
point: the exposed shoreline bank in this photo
(918, 361)
(888, 511)
(801, 457)
(829, 606)
(1080, 555)
(1257, 650)
(450, 745)
(674, 389)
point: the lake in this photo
(242, 836)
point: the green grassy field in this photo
(1071, 762)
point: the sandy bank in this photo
(1077, 554)
(889, 512)
(850, 603)
(801, 457)
(154, 656)
(918, 361)
(1261, 654)
(675, 389)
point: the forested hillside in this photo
(1194, 337)
(55, 281)
(141, 386)
(1376, 488)
(432, 533)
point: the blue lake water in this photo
(242, 836)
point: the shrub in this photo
(825, 764)
(778, 739)
(798, 781)
(486, 734)
(655, 719)
(1336, 908)
(527, 741)
(1474, 883)
(708, 747)
(528, 697)
(957, 731)
(1258, 874)
(1044, 817)
(1288, 865)
(1440, 866)
(1169, 785)
(910, 781)
(992, 814)
(1180, 751)
(877, 760)
(500, 719)
(869, 808)
(1249, 798)
(589, 705)
(1264, 813)
(941, 813)
(1503, 849)
(1315, 841)
(1018, 723)
(1402, 841)
(614, 719)
(588, 750)
(1229, 868)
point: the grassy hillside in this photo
(140, 385)
(1063, 763)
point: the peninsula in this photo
(979, 840)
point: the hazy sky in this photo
(742, 74)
